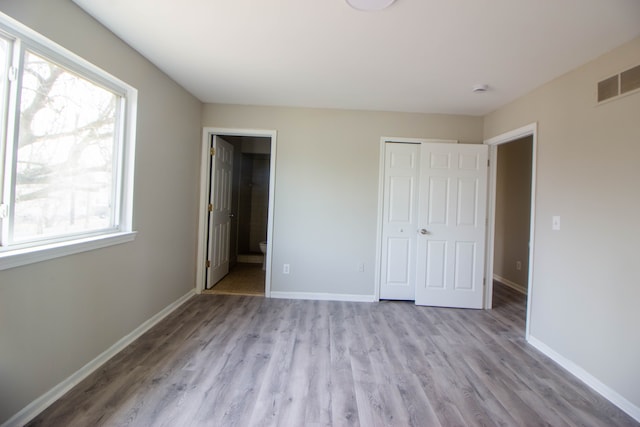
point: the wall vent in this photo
(608, 88)
(630, 80)
(620, 84)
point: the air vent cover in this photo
(608, 88)
(620, 84)
(630, 80)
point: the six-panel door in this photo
(401, 174)
(452, 216)
(219, 219)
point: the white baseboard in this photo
(43, 402)
(513, 285)
(323, 296)
(597, 385)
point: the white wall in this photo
(326, 196)
(586, 280)
(56, 316)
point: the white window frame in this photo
(18, 255)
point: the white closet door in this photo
(401, 174)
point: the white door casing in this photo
(493, 143)
(205, 183)
(452, 225)
(399, 223)
(220, 209)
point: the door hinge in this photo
(208, 264)
(488, 163)
(212, 151)
(4, 211)
(210, 207)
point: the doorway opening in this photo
(248, 222)
(511, 217)
(242, 250)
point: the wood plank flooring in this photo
(224, 360)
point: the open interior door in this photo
(219, 223)
(451, 225)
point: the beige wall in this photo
(513, 211)
(326, 199)
(56, 316)
(586, 280)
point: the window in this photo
(67, 151)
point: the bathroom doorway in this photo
(250, 218)
(249, 201)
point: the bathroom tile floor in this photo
(243, 279)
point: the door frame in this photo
(383, 141)
(205, 171)
(493, 143)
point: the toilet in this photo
(263, 249)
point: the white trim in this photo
(19, 257)
(403, 140)
(317, 296)
(513, 285)
(204, 192)
(584, 376)
(41, 403)
(383, 140)
(43, 45)
(512, 135)
(127, 161)
(202, 213)
(528, 130)
(378, 266)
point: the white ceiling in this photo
(415, 56)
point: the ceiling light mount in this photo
(369, 5)
(480, 88)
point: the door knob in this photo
(232, 215)
(423, 231)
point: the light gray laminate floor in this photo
(224, 360)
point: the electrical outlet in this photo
(285, 269)
(518, 265)
(361, 267)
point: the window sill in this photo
(19, 257)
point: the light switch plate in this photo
(555, 223)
